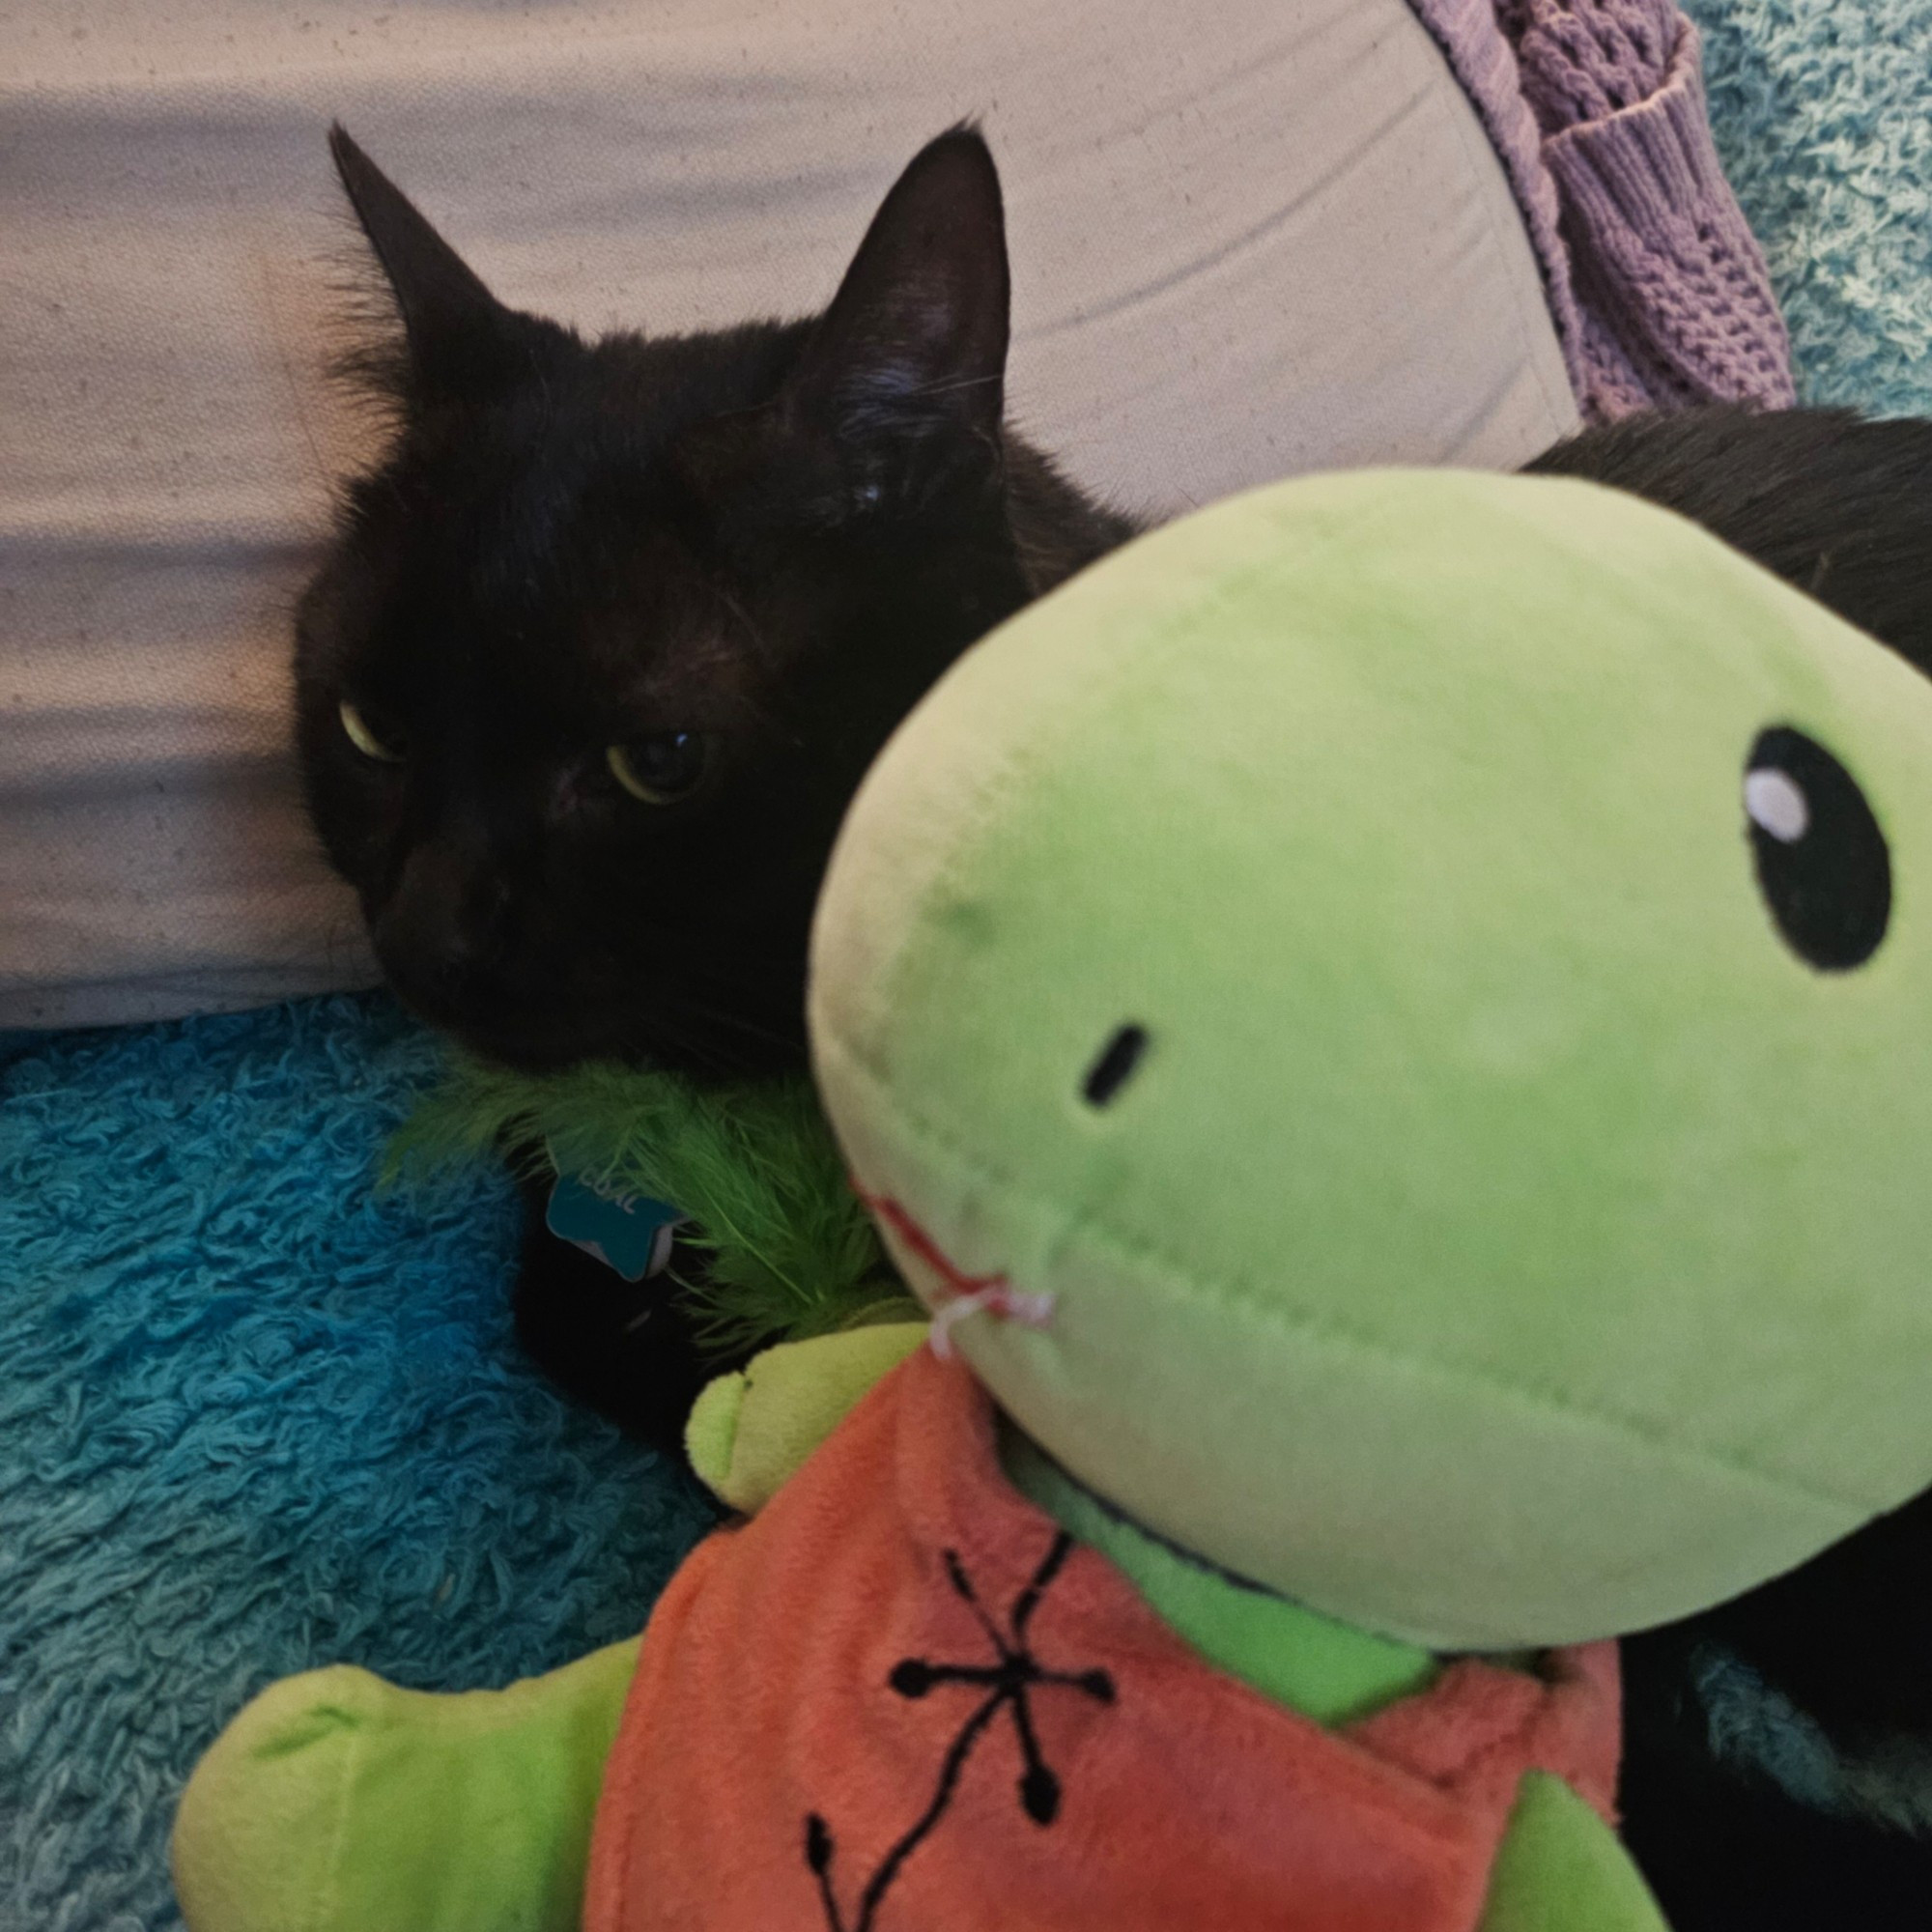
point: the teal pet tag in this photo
(630, 1233)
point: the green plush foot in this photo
(337, 1802)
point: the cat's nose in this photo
(475, 944)
(446, 929)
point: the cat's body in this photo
(1838, 506)
(618, 628)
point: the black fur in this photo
(771, 538)
(1778, 1767)
(1838, 506)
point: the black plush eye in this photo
(662, 767)
(372, 734)
(1115, 1066)
(1821, 863)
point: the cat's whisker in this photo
(730, 1021)
(951, 387)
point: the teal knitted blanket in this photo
(1823, 115)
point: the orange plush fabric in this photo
(900, 1700)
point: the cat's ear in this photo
(906, 370)
(462, 340)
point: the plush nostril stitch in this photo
(1115, 1066)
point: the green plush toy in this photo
(1385, 1023)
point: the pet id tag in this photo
(629, 1233)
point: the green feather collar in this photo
(789, 1252)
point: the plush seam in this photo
(1228, 1293)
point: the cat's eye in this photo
(662, 767)
(1822, 864)
(385, 746)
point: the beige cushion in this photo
(1248, 239)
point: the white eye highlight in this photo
(1777, 805)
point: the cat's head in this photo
(605, 645)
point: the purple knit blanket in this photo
(1596, 109)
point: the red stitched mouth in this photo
(966, 1294)
(895, 1215)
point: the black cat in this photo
(605, 645)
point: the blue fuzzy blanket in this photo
(253, 1418)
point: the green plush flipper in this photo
(750, 1429)
(1562, 1869)
(337, 1802)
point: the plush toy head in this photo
(1433, 974)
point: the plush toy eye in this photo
(1821, 863)
(1115, 1066)
(662, 767)
(385, 746)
